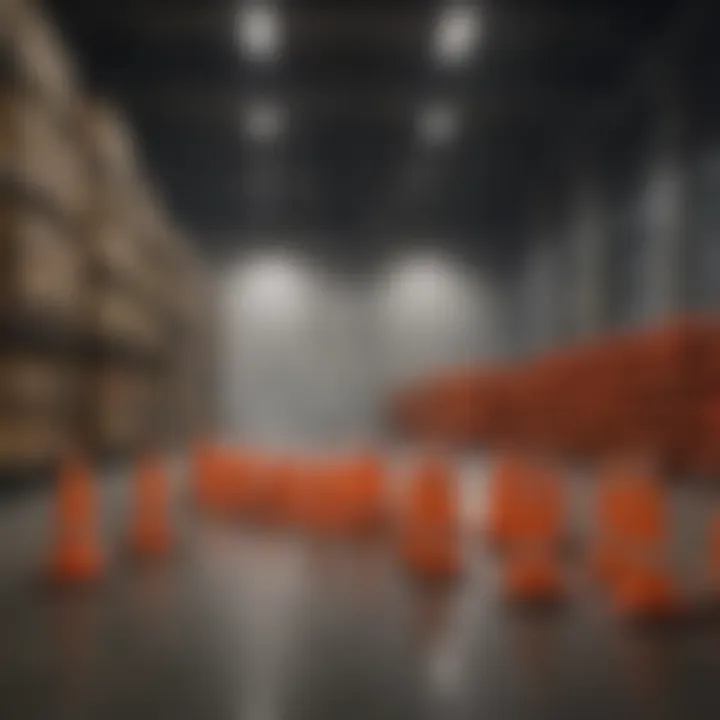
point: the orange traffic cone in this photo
(631, 515)
(539, 509)
(203, 466)
(76, 555)
(533, 575)
(278, 493)
(366, 494)
(243, 484)
(205, 471)
(150, 535)
(430, 535)
(301, 509)
(218, 487)
(646, 513)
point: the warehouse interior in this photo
(359, 359)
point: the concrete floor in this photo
(271, 626)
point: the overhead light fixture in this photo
(259, 31)
(457, 34)
(437, 124)
(264, 122)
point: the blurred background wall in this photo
(308, 353)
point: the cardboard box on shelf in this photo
(36, 56)
(32, 441)
(120, 318)
(121, 401)
(111, 150)
(34, 382)
(43, 270)
(120, 257)
(39, 157)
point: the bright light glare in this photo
(264, 122)
(422, 283)
(259, 32)
(273, 286)
(457, 34)
(437, 124)
(431, 315)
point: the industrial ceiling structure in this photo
(346, 124)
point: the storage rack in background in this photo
(102, 301)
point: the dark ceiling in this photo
(348, 169)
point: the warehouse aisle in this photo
(259, 625)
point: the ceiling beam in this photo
(318, 29)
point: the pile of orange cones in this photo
(430, 524)
(346, 497)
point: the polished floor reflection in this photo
(248, 623)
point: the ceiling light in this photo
(437, 124)
(457, 34)
(264, 122)
(259, 32)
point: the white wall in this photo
(307, 355)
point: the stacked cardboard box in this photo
(136, 322)
(99, 294)
(42, 195)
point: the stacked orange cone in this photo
(430, 538)
(533, 572)
(75, 555)
(216, 486)
(367, 478)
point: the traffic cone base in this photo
(649, 594)
(75, 563)
(432, 559)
